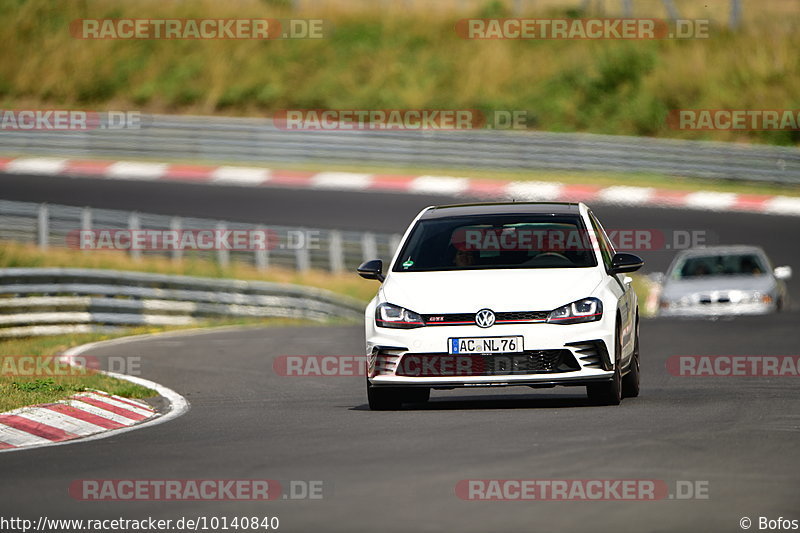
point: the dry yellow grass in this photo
(394, 55)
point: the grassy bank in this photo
(14, 254)
(403, 59)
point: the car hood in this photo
(674, 289)
(468, 291)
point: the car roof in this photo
(501, 208)
(722, 250)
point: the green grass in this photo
(18, 391)
(405, 58)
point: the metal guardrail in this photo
(244, 139)
(296, 248)
(240, 139)
(49, 301)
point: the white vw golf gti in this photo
(500, 294)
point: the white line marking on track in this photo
(37, 165)
(341, 180)
(716, 201)
(131, 170)
(626, 195)
(438, 185)
(240, 175)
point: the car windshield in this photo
(720, 265)
(479, 242)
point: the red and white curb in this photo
(409, 184)
(90, 415)
(81, 415)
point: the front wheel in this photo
(608, 393)
(630, 383)
(391, 398)
(383, 399)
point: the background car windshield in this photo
(495, 242)
(720, 265)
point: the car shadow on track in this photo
(496, 402)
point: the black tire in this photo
(391, 398)
(417, 395)
(630, 382)
(609, 392)
(383, 398)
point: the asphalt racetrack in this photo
(398, 471)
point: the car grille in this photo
(527, 362)
(468, 319)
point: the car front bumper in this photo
(384, 344)
(716, 310)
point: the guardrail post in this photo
(133, 226)
(223, 257)
(43, 227)
(175, 226)
(394, 243)
(302, 257)
(86, 221)
(672, 11)
(736, 14)
(335, 251)
(369, 248)
(627, 8)
(262, 256)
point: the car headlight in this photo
(749, 297)
(586, 310)
(393, 316)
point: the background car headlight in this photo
(393, 316)
(586, 310)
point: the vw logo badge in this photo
(484, 318)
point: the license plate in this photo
(469, 345)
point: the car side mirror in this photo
(372, 270)
(783, 272)
(625, 263)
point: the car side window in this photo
(606, 248)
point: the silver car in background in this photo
(722, 281)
